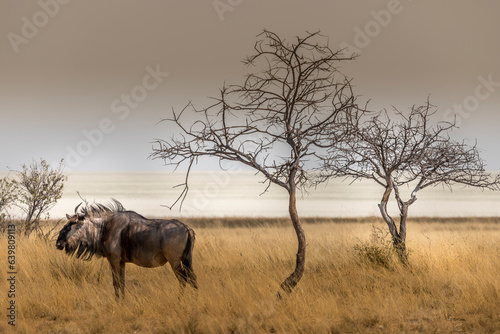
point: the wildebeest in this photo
(125, 236)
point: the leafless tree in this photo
(406, 150)
(277, 122)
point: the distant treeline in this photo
(253, 222)
(235, 222)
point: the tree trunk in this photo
(400, 242)
(398, 238)
(28, 222)
(400, 247)
(383, 211)
(291, 281)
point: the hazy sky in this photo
(96, 76)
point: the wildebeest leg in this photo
(191, 277)
(180, 273)
(122, 278)
(184, 275)
(116, 271)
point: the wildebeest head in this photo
(79, 235)
(67, 232)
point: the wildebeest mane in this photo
(100, 210)
(86, 251)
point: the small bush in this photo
(378, 250)
(8, 196)
(39, 187)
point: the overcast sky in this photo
(88, 80)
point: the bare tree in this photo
(406, 151)
(39, 188)
(277, 122)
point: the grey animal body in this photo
(125, 236)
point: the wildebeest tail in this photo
(187, 259)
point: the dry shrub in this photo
(377, 250)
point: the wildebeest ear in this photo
(68, 216)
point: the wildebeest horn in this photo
(76, 209)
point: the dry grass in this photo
(453, 285)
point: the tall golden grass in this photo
(452, 284)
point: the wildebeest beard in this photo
(86, 242)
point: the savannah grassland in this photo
(351, 283)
